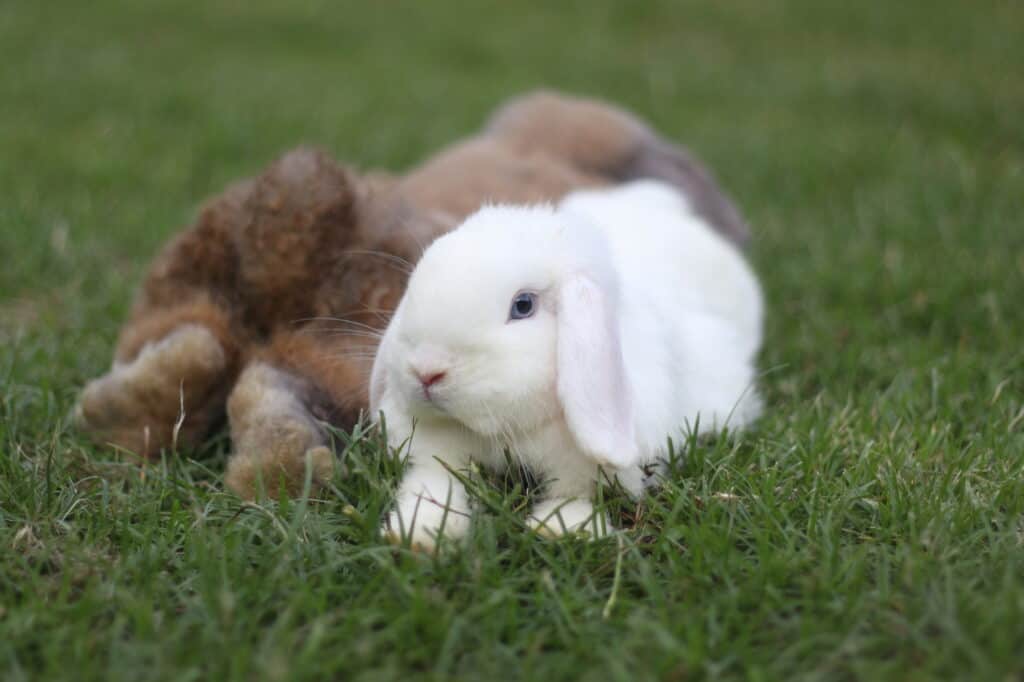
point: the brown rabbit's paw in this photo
(277, 441)
(252, 475)
(137, 404)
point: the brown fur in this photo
(290, 274)
(177, 378)
(274, 433)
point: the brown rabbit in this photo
(270, 305)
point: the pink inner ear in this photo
(592, 384)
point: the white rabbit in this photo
(580, 338)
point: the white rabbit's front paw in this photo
(557, 517)
(422, 521)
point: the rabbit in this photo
(267, 309)
(579, 337)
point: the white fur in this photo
(648, 323)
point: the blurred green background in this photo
(878, 152)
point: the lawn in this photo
(871, 526)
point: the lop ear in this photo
(592, 385)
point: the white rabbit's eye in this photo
(523, 306)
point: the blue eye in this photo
(523, 306)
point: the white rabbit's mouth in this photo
(429, 402)
(432, 401)
(440, 402)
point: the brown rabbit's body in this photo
(268, 305)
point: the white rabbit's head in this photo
(509, 322)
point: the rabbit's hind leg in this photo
(276, 437)
(170, 391)
(178, 354)
(281, 407)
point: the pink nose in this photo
(428, 379)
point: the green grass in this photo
(871, 527)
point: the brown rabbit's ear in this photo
(302, 196)
(662, 160)
(586, 133)
(601, 138)
(592, 387)
(302, 209)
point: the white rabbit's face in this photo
(475, 337)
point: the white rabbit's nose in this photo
(430, 378)
(429, 365)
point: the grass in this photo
(871, 527)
